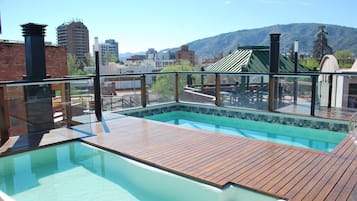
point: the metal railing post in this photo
(272, 92)
(143, 90)
(295, 91)
(313, 94)
(97, 95)
(67, 101)
(4, 118)
(177, 83)
(218, 101)
(329, 91)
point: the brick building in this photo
(13, 62)
(185, 54)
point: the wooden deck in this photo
(323, 112)
(284, 171)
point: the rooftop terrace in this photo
(41, 112)
(280, 170)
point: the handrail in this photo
(44, 81)
(353, 124)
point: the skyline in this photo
(138, 25)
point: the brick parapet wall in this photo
(13, 63)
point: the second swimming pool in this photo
(77, 171)
(322, 140)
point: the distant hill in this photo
(339, 38)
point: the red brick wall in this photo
(13, 64)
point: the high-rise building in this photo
(109, 48)
(74, 37)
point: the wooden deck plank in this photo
(271, 174)
(287, 172)
(348, 148)
(303, 181)
(186, 153)
(257, 171)
(343, 188)
(222, 165)
(328, 183)
(296, 176)
(352, 152)
(343, 145)
(194, 152)
(327, 170)
(284, 175)
(231, 164)
(249, 163)
(205, 163)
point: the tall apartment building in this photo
(185, 54)
(74, 37)
(109, 47)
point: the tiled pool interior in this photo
(299, 121)
(77, 171)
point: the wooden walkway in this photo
(283, 171)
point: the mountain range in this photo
(339, 38)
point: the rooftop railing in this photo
(31, 107)
(303, 93)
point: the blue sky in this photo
(141, 24)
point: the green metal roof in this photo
(251, 59)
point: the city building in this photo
(185, 54)
(168, 55)
(74, 37)
(151, 54)
(109, 48)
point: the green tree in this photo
(321, 47)
(73, 64)
(164, 85)
(345, 58)
(110, 58)
(310, 63)
(89, 60)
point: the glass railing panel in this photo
(197, 88)
(160, 88)
(343, 89)
(245, 90)
(37, 107)
(120, 92)
(294, 94)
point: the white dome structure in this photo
(329, 64)
(342, 87)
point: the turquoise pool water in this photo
(76, 171)
(322, 140)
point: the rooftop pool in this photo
(307, 132)
(77, 171)
(296, 136)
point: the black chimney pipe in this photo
(35, 51)
(274, 61)
(274, 53)
(38, 97)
